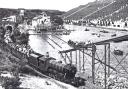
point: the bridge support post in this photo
(107, 62)
(93, 63)
(109, 59)
(65, 58)
(105, 69)
(76, 58)
(83, 60)
(79, 61)
(71, 56)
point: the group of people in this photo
(13, 37)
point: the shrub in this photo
(11, 83)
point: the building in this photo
(10, 18)
(22, 11)
(41, 21)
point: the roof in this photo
(37, 17)
(36, 55)
(43, 13)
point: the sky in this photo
(63, 5)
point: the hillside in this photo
(105, 1)
(73, 10)
(101, 11)
(29, 13)
(83, 10)
(108, 10)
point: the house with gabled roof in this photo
(41, 21)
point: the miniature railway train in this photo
(50, 67)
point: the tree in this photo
(2, 32)
(13, 82)
(57, 19)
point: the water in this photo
(47, 43)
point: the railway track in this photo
(55, 42)
(49, 78)
(60, 39)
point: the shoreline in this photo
(71, 27)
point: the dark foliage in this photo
(29, 13)
(11, 83)
(5, 12)
(56, 19)
(2, 32)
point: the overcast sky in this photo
(63, 5)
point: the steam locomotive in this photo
(50, 67)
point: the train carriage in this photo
(33, 59)
(43, 66)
